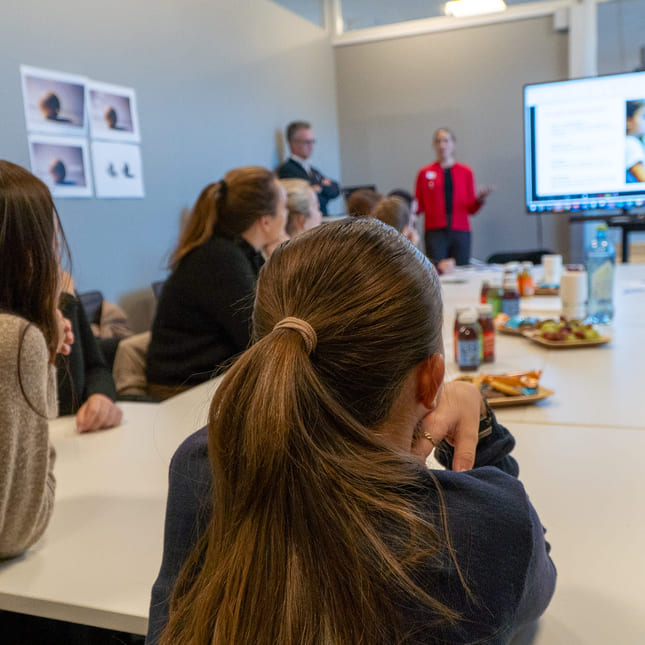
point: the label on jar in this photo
(468, 353)
(488, 346)
(511, 306)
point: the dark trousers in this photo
(442, 244)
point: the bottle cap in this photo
(468, 317)
(485, 309)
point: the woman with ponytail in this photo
(203, 316)
(305, 514)
(32, 333)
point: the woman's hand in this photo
(484, 192)
(97, 413)
(65, 334)
(455, 419)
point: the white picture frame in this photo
(112, 111)
(118, 170)
(62, 163)
(54, 102)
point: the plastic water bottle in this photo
(601, 258)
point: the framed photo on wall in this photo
(118, 172)
(113, 112)
(54, 102)
(63, 163)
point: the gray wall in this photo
(393, 94)
(216, 82)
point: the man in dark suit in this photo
(300, 138)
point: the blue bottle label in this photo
(511, 307)
(468, 353)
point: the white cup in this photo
(552, 265)
(573, 294)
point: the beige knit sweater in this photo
(27, 482)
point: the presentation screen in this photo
(584, 143)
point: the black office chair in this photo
(157, 287)
(534, 256)
(348, 190)
(92, 302)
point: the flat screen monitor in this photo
(584, 144)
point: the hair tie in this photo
(303, 328)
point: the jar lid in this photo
(485, 309)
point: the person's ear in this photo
(430, 373)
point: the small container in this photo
(485, 320)
(458, 310)
(525, 283)
(494, 296)
(468, 342)
(510, 297)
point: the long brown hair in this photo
(228, 207)
(313, 538)
(31, 242)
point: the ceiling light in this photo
(461, 8)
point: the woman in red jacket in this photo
(445, 191)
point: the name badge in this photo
(431, 174)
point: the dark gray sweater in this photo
(495, 531)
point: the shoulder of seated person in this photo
(34, 347)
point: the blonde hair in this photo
(299, 193)
(315, 534)
(228, 207)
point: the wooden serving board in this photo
(522, 399)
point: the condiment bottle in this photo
(468, 341)
(458, 310)
(525, 280)
(485, 313)
(511, 296)
(483, 294)
(494, 296)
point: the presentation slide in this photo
(585, 143)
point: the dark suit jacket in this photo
(291, 169)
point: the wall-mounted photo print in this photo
(63, 164)
(118, 171)
(112, 112)
(54, 102)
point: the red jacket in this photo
(429, 194)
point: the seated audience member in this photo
(85, 384)
(302, 204)
(300, 138)
(203, 316)
(361, 202)
(32, 333)
(316, 519)
(395, 212)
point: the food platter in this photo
(523, 399)
(535, 336)
(496, 389)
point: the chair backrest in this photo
(157, 287)
(534, 256)
(92, 302)
(348, 190)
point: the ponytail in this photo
(200, 224)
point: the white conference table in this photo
(580, 455)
